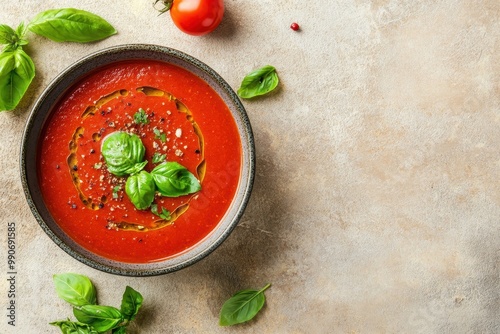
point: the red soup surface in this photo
(183, 120)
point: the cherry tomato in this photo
(197, 17)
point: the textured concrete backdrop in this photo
(376, 204)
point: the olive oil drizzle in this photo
(98, 204)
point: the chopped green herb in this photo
(98, 165)
(160, 135)
(164, 214)
(140, 117)
(157, 158)
(116, 189)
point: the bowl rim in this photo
(39, 115)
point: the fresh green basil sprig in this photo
(79, 291)
(16, 67)
(124, 156)
(259, 82)
(242, 306)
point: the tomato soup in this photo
(179, 118)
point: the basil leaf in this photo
(12, 38)
(21, 30)
(7, 34)
(7, 62)
(136, 168)
(101, 318)
(20, 33)
(76, 289)
(174, 180)
(242, 306)
(123, 153)
(16, 73)
(71, 25)
(259, 82)
(119, 330)
(131, 303)
(73, 327)
(140, 188)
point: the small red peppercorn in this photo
(295, 26)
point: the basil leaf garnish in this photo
(76, 289)
(123, 153)
(73, 327)
(174, 180)
(140, 117)
(131, 303)
(116, 189)
(259, 82)
(140, 189)
(71, 25)
(160, 135)
(101, 318)
(242, 306)
(158, 157)
(16, 73)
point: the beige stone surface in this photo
(376, 205)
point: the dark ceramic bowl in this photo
(43, 108)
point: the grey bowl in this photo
(44, 106)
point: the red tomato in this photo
(197, 17)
